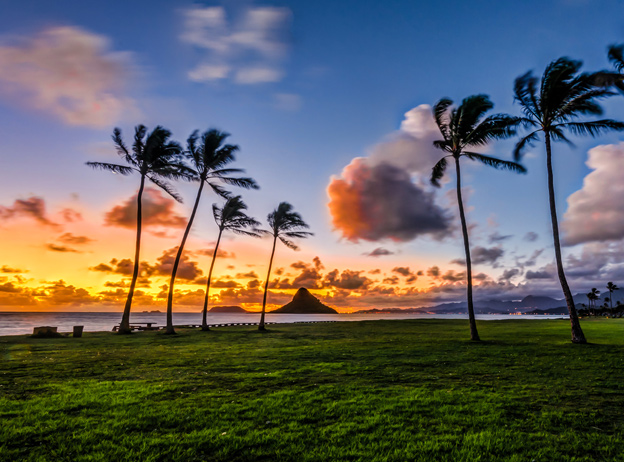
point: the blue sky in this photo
(341, 76)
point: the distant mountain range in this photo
(529, 304)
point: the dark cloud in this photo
(157, 210)
(33, 207)
(392, 280)
(433, 272)
(510, 273)
(531, 236)
(375, 271)
(381, 202)
(249, 275)
(403, 271)
(496, 237)
(481, 255)
(187, 269)
(538, 275)
(379, 252)
(61, 248)
(347, 279)
(69, 238)
(220, 253)
(8, 269)
(70, 215)
(224, 284)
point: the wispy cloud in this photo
(68, 72)
(247, 48)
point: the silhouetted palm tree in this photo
(285, 225)
(611, 288)
(463, 131)
(616, 56)
(551, 106)
(154, 157)
(594, 295)
(230, 217)
(208, 160)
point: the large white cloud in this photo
(248, 49)
(68, 72)
(596, 211)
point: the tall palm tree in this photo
(284, 224)
(611, 288)
(463, 130)
(155, 158)
(594, 295)
(230, 217)
(208, 160)
(553, 106)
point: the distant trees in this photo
(611, 288)
(463, 130)
(230, 217)
(155, 158)
(552, 106)
(284, 224)
(208, 157)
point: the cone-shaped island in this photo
(305, 303)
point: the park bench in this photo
(139, 326)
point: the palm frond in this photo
(443, 144)
(438, 172)
(616, 56)
(121, 148)
(289, 244)
(121, 169)
(495, 127)
(470, 111)
(441, 119)
(246, 183)
(523, 143)
(165, 187)
(496, 163)
(525, 93)
(593, 128)
(219, 190)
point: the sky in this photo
(330, 104)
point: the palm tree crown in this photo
(209, 156)
(562, 96)
(616, 56)
(463, 130)
(153, 156)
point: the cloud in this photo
(71, 73)
(187, 269)
(379, 252)
(249, 275)
(509, 274)
(247, 48)
(288, 101)
(33, 207)
(596, 211)
(538, 275)
(497, 237)
(157, 210)
(347, 280)
(381, 202)
(481, 255)
(69, 238)
(403, 271)
(8, 269)
(387, 194)
(61, 248)
(531, 236)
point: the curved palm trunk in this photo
(611, 300)
(214, 257)
(577, 332)
(474, 335)
(124, 326)
(266, 287)
(176, 263)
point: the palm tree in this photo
(593, 296)
(154, 157)
(463, 131)
(285, 225)
(208, 160)
(562, 96)
(611, 288)
(230, 217)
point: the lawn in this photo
(351, 391)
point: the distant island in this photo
(305, 303)
(228, 309)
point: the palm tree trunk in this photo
(124, 326)
(611, 300)
(474, 335)
(176, 263)
(577, 332)
(266, 286)
(214, 257)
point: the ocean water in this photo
(19, 323)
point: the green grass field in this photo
(352, 391)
